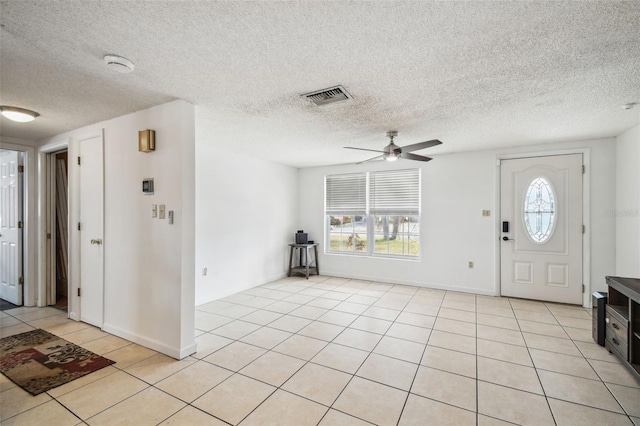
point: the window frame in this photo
(371, 215)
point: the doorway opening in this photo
(58, 230)
(11, 228)
(61, 230)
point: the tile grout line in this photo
(356, 291)
(544, 391)
(418, 342)
(601, 380)
(477, 372)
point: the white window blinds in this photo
(346, 193)
(395, 192)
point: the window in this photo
(346, 206)
(375, 213)
(539, 210)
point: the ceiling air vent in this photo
(328, 96)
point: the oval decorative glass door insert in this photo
(539, 210)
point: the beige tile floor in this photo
(333, 351)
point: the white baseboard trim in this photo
(437, 286)
(189, 350)
(235, 290)
(173, 352)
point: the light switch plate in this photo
(161, 212)
(154, 210)
(486, 212)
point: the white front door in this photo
(541, 224)
(11, 227)
(91, 231)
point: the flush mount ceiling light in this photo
(20, 115)
(119, 64)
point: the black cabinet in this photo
(622, 321)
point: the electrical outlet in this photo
(486, 212)
(470, 265)
(161, 211)
(204, 271)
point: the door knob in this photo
(97, 241)
(506, 239)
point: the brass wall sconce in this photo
(146, 140)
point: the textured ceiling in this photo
(472, 74)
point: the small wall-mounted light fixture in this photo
(146, 140)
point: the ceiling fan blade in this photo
(362, 149)
(421, 145)
(416, 157)
(371, 159)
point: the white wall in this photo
(455, 189)
(246, 214)
(149, 264)
(627, 210)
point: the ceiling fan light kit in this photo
(19, 115)
(392, 152)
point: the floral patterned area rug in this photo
(38, 361)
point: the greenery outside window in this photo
(348, 233)
(375, 213)
(397, 235)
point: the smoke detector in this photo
(119, 64)
(328, 96)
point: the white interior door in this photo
(91, 231)
(541, 240)
(11, 227)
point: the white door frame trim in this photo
(44, 189)
(586, 213)
(29, 295)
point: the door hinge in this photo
(20, 225)
(583, 288)
(21, 280)
(78, 291)
(583, 169)
(584, 229)
(48, 235)
(20, 169)
(78, 226)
